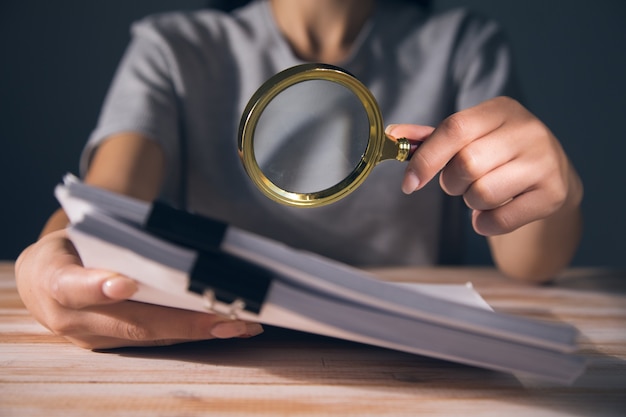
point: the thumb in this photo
(77, 287)
(409, 131)
(420, 133)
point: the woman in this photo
(168, 130)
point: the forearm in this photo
(57, 221)
(126, 163)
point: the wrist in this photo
(575, 190)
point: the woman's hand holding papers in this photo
(91, 309)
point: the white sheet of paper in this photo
(458, 293)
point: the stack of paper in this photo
(196, 263)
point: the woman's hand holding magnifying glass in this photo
(514, 175)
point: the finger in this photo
(510, 216)
(413, 132)
(501, 185)
(75, 287)
(475, 161)
(492, 191)
(452, 135)
(409, 131)
(98, 342)
(140, 324)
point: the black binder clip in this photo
(190, 230)
(229, 284)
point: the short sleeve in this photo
(483, 64)
(141, 98)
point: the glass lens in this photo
(311, 136)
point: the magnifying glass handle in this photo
(406, 148)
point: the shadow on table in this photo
(297, 358)
(609, 281)
(318, 360)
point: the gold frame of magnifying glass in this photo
(378, 148)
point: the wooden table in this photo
(288, 373)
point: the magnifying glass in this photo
(311, 134)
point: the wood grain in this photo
(288, 373)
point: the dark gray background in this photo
(58, 57)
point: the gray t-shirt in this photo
(186, 78)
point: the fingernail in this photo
(228, 329)
(253, 329)
(410, 182)
(389, 128)
(119, 287)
